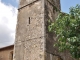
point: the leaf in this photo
(67, 28)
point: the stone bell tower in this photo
(33, 42)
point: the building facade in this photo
(33, 41)
(6, 53)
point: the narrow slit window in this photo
(29, 20)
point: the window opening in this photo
(29, 20)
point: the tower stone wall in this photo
(33, 41)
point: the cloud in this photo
(8, 18)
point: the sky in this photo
(66, 4)
(8, 18)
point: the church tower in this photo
(33, 41)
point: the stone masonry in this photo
(33, 41)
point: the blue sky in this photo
(11, 2)
(8, 18)
(65, 4)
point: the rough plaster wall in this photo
(51, 14)
(29, 44)
(35, 29)
(25, 2)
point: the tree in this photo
(67, 29)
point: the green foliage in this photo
(67, 29)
